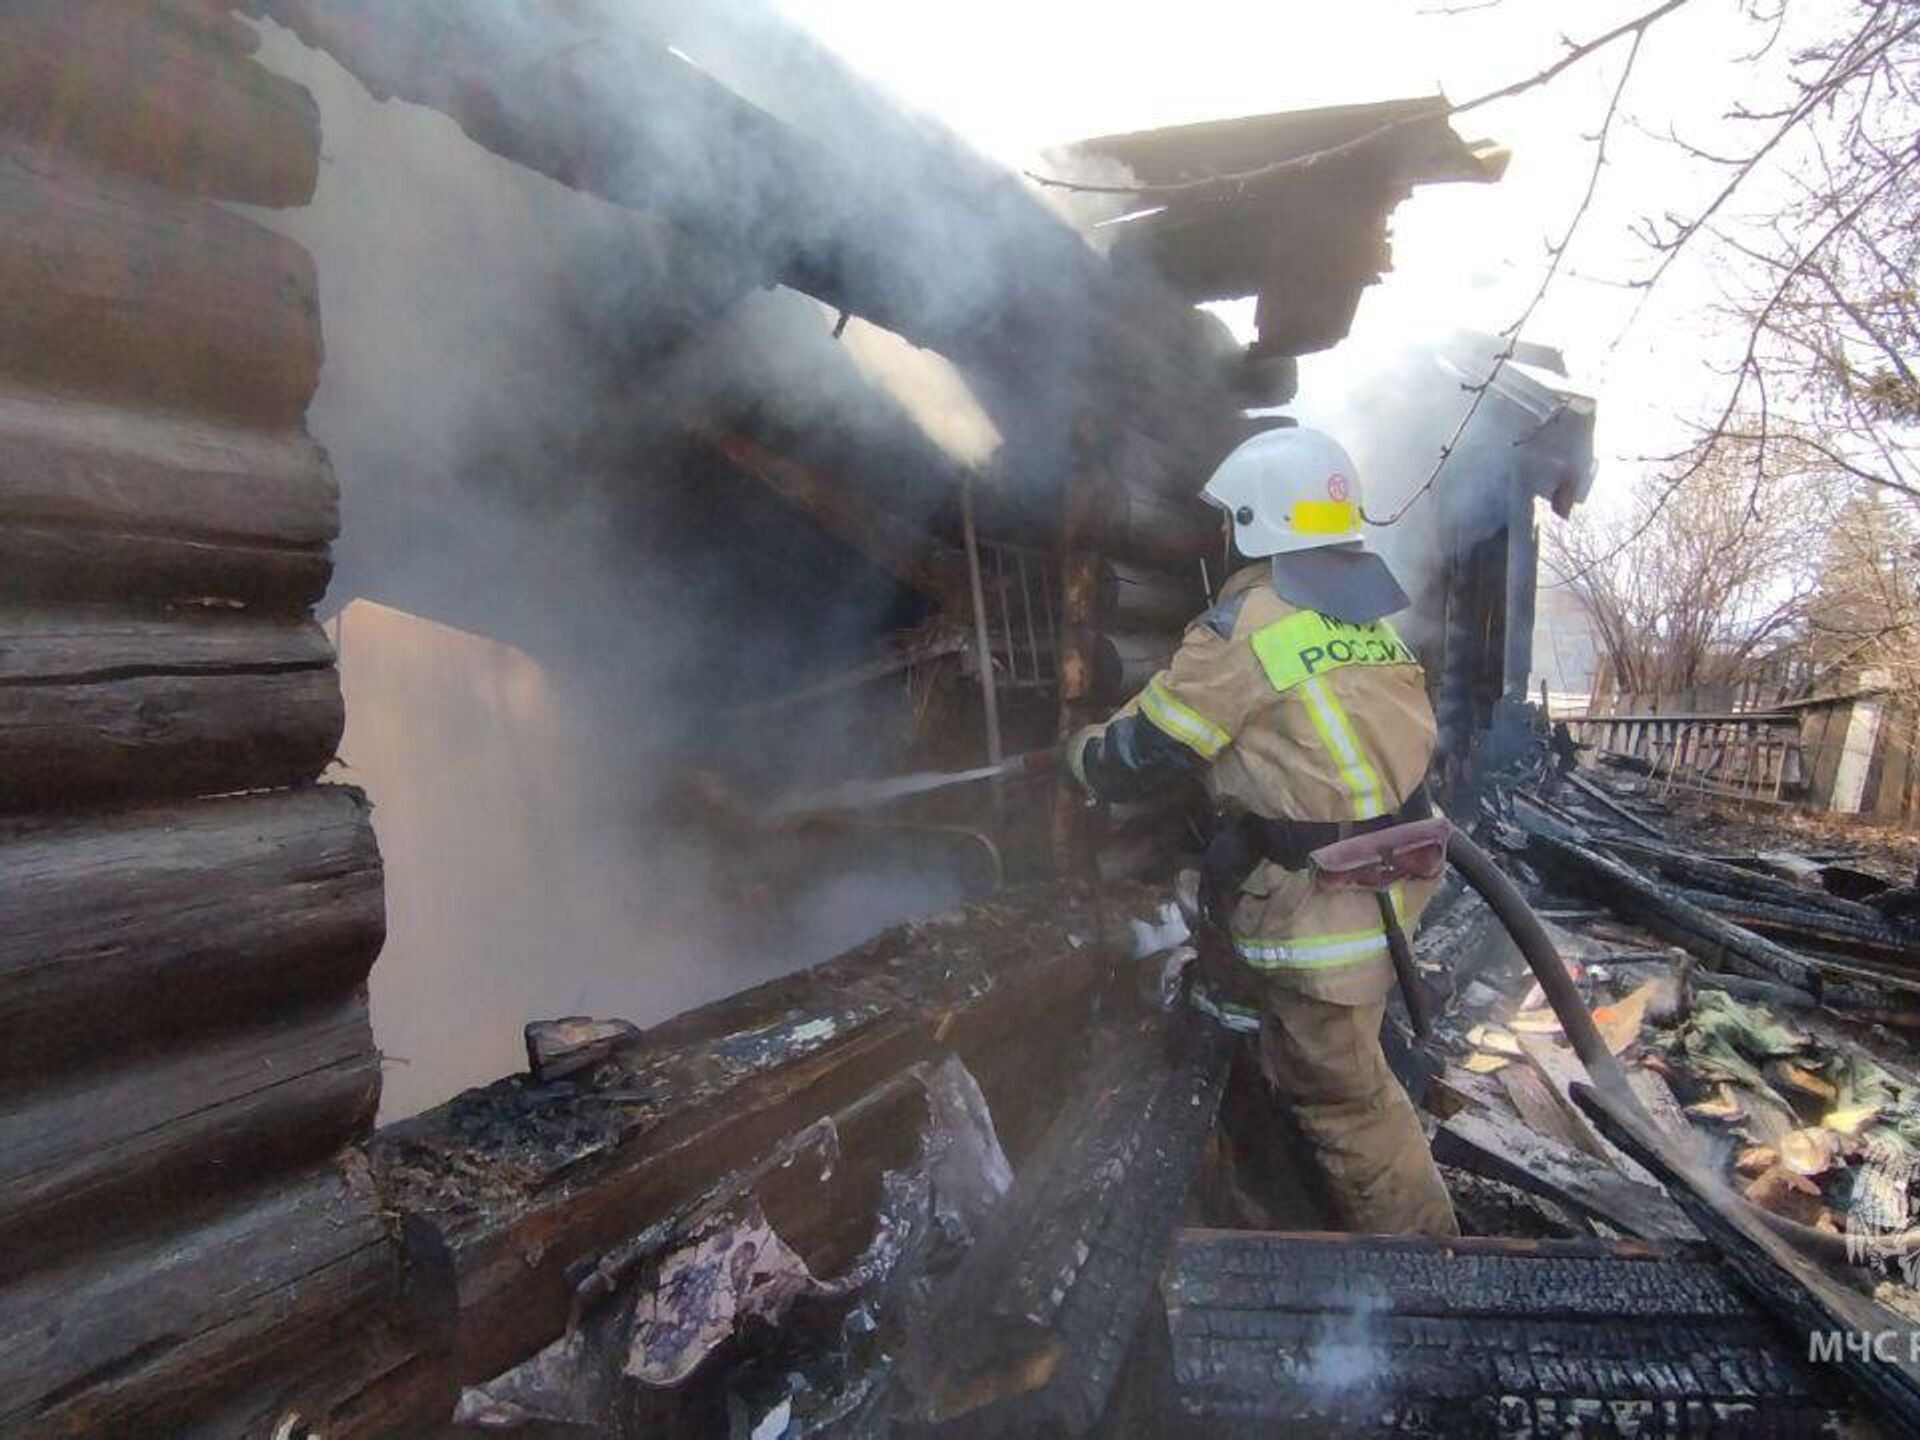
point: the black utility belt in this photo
(1241, 841)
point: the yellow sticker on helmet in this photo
(1324, 517)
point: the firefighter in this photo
(1308, 720)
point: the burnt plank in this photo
(1368, 1336)
(1034, 1326)
(1518, 1156)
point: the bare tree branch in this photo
(1513, 331)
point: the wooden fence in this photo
(1850, 753)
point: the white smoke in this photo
(573, 600)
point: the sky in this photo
(1017, 78)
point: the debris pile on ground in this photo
(1761, 1000)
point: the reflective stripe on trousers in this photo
(1319, 952)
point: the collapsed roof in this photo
(1291, 207)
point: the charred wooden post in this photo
(1029, 1335)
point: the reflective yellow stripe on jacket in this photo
(1183, 722)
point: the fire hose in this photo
(1510, 908)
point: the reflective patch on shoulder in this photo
(1223, 617)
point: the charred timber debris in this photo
(969, 1131)
(1081, 1299)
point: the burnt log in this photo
(1613, 807)
(1470, 1337)
(1136, 597)
(1124, 661)
(570, 1176)
(180, 917)
(1029, 1333)
(158, 93)
(99, 703)
(280, 1304)
(1714, 940)
(1700, 873)
(120, 291)
(80, 1157)
(1823, 930)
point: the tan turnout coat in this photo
(1305, 718)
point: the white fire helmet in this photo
(1293, 495)
(1288, 489)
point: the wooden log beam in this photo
(1171, 532)
(901, 550)
(1705, 874)
(1124, 661)
(73, 462)
(102, 703)
(1138, 597)
(1716, 941)
(99, 502)
(223, 1324)
(120, 291)
(67, 562)
(160, 94)
(723, 1086)
(163, 920)
(81, 1157)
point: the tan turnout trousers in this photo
(1303, 717)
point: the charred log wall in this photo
(189, 1243)
(1139, 554)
